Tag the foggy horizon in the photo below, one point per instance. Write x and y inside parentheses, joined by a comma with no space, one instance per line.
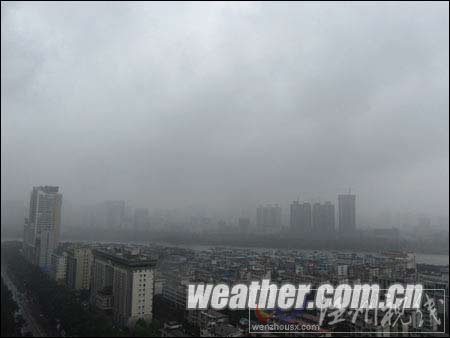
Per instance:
(225,106)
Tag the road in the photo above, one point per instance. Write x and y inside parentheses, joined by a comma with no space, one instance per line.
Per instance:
(31,323)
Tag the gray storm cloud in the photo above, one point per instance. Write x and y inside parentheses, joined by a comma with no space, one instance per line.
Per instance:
(227,105)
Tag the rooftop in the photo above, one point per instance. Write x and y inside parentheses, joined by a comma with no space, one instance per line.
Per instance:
(125,258)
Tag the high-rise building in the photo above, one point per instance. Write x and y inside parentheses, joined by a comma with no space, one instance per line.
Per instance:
(59,266)
(323,218)
(346,206)
(268,218)
(42,227)
(79,261)
(123,281)
(174,288)
(317,217)
(328,217)
(295,216)
(301,218)
(306,216)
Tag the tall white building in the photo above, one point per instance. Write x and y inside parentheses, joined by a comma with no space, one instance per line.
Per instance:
(42,227)
(123,282)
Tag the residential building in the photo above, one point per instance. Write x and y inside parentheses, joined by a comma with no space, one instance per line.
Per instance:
(125,279)
(42,227)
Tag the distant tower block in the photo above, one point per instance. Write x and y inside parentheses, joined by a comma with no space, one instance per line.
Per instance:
(347,210)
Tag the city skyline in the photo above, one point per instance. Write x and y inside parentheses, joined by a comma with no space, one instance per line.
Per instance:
(138,217)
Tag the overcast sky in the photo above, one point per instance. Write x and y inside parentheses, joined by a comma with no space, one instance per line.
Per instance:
(227,105)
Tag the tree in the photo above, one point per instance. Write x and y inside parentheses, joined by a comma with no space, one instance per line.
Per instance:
(10,326)
(144,329)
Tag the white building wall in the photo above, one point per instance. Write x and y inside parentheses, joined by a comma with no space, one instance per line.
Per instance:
(142,295)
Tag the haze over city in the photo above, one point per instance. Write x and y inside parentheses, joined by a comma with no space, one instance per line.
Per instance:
(224,169)
(225,106)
